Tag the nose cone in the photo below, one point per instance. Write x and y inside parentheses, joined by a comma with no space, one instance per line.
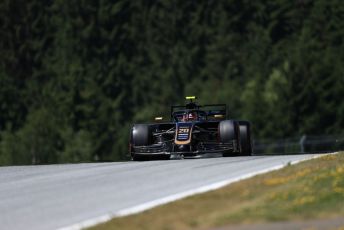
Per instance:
(183,133)
(183,148)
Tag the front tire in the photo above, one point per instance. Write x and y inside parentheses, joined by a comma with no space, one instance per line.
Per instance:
(136,157)
(229,132)
(140,136)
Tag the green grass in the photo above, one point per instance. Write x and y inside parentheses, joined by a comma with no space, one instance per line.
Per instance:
(310,190)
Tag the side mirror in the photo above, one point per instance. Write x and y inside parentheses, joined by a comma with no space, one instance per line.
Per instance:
(158,118)
(218,116)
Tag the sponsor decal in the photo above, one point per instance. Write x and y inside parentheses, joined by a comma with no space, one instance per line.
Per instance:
(183,135)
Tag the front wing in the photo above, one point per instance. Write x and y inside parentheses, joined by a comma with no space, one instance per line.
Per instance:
(200,148)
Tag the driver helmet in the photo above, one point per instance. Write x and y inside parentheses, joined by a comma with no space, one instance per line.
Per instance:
(191,116)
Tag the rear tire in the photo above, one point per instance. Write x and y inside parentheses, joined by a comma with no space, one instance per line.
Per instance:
(228,131)
(245,138)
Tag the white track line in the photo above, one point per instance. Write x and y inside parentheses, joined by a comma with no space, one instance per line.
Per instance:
(178,196)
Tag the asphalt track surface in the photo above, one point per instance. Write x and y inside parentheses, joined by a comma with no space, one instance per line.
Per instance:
(70,195)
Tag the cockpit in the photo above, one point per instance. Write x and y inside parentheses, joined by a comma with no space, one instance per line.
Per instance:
(190,115)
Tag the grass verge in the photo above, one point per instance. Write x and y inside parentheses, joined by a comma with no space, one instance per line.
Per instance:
(313,189)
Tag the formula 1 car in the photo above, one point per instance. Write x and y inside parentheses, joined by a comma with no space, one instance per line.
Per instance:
(193,130)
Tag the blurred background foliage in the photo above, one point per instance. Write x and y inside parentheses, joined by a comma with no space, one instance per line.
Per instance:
(75,75)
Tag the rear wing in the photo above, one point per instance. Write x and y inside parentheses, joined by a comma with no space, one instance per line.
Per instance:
(216,111)
(213,112)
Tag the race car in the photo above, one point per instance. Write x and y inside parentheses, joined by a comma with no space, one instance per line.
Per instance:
(193,130)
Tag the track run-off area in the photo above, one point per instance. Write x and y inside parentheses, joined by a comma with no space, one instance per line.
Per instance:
(73,196)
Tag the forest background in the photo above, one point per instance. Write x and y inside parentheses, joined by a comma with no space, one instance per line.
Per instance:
(75,75)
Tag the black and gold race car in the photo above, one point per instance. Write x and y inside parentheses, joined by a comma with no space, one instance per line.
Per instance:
(194,130)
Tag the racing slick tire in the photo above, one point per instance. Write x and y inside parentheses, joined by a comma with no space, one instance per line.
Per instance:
(136,157)
(245,138)
(228,132)
(140,136)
